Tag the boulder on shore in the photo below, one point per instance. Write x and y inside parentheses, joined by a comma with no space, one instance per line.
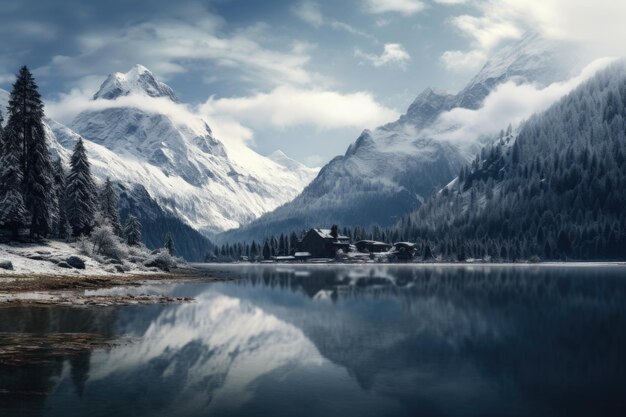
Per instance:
(159,264)
(75,262)
(8,265)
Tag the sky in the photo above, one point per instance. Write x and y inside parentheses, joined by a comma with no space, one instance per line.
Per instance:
(303,76)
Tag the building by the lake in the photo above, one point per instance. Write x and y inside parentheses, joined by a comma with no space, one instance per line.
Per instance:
(372,246)
(324,243)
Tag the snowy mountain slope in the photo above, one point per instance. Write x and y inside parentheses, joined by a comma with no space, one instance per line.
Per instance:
(4,102)
(552,189)
(134,199)
(174,158)
(391,170)
(154,142)
(533,59)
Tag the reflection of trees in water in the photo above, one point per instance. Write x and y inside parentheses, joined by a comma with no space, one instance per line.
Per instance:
(500,341)
(25,386)
(468,284)
(553,337)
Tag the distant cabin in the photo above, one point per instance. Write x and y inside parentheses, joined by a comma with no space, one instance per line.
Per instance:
(404,250)
(372,246)
(324,243)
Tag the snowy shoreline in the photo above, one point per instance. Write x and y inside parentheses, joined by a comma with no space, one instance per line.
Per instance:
(50,258)
(53,272)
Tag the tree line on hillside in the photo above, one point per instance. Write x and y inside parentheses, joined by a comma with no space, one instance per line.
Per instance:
(287,244)
(554,190)
(39,194)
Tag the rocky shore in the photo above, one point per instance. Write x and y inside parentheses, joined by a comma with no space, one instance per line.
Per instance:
(61,290)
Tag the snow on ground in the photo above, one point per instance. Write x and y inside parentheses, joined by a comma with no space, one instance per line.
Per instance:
(42,259)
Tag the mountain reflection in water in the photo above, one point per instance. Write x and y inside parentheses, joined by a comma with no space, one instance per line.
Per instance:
(346,341)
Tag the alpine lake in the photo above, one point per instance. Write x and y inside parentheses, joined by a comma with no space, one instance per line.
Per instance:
(337,340)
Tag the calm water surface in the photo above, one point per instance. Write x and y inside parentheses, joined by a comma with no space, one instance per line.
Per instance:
(343,341)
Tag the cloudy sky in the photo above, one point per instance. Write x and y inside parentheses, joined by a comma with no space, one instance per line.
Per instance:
(304,76)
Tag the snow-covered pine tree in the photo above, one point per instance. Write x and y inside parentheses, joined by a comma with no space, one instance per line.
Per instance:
(59,176)
(13,213)
(109,206)
(25,123)
(1,146)
(132,231)
(169,244)
(81,192)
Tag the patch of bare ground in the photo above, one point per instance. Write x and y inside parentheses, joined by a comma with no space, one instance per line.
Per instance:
(48,282)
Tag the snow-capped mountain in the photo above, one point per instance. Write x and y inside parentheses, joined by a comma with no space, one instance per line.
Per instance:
(388,172)
(138,134)
(139,80)
(134,199)
(167,161)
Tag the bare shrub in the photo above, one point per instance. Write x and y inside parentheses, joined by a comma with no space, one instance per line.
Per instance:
(105,242)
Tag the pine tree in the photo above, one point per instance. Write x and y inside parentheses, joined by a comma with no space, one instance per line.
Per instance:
(253,250)
(59,176)
(109,206)
(169,244)
(81,192)
(132,231)
(564,244)
(26,124)
(13,213)
(267,253)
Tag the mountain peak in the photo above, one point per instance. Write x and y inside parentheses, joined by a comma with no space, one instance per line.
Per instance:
(533,58)
(138,80)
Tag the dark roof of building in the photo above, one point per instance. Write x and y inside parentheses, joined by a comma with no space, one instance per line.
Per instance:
(405,244)
(372,242)
(326,234)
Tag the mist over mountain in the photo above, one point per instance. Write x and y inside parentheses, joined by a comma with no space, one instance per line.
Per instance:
(553,190)
(210,184)
(391,170)
(169,163)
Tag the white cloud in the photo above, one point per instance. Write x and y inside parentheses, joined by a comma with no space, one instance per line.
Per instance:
(309,11)
(508,103)
(405,7)
(66,106)
(451,2)
(31,29)
(288,106)
(459,61)
(597,25)
(393,54)
(235,120)
(487,31)
(169,46)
